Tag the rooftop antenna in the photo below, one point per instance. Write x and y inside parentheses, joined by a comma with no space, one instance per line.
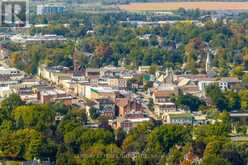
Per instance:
(75,62)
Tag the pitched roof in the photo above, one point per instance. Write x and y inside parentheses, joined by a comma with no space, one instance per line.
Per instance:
(181,115)
(122,102)
(164,93)
(230,79)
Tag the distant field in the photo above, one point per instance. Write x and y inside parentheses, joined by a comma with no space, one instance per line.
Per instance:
(210,6)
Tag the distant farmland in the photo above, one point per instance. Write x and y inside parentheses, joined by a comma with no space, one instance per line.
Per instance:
(169,6)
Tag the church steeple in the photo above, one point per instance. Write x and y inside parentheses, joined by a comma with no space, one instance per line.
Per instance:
(169,76)
(208,62)
(75,62)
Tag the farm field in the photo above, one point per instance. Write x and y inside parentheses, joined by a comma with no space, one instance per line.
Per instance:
(169,6)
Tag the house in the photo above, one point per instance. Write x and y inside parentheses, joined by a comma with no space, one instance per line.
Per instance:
(118,83)
(180,118)
(3,52)
(161,108)
(5,91)
(54,74)
(229,82)
(189,87)
(28,39)
(162,103)
(200,119)
(111,71)
(28,94)
(204,82)
(166,77)
(92,73)
(127,105)
(97,92)
(144,69)
(106,107)
(27,82)
(53,95)
(13,73)
(162,96)
(6,80)
(130,121)
(80,88)
(50,9)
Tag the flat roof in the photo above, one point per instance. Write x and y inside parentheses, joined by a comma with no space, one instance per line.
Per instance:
(238,114)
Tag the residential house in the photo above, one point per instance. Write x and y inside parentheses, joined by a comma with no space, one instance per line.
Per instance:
(127,105)
(106,107)
(53,95)
(130,121)
(162,103)
(92,73)
(229,83)
(110,71)
(144,69)
(178,118)
(189,87)
(118,83)
(93,93)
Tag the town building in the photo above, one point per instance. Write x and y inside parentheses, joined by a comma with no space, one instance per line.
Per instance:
(106,107)
(28,39)
(229,83)
(127,105)
(50,9)
(144,69)
(53,95)
(162,102)
(118,83)
(130,121)
(183,118)
(93,93)
(92,73)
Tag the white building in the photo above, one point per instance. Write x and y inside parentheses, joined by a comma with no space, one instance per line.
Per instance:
(9,71)
(50,9)
(37,38)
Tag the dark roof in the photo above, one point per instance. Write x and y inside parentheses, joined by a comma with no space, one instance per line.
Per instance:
(36,162)
(104,101)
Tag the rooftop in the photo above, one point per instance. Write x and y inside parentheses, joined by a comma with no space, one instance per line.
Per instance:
(181,115)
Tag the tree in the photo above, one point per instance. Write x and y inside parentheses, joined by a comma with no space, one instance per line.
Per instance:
(192,102)
(244,99)
(23,144)
(102,154)
(204,132)
(94,113)
(135,140)
(167,136)
(80,114)
(175,156)
(34,116)
(233,99)
(198,148)
(217,97)
(10,103)
(120,136)
(151,104)
(233,156)
(65,158)
(214,148)
(214,160)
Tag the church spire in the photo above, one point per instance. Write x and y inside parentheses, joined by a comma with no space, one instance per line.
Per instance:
(75,62)
(208,62)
